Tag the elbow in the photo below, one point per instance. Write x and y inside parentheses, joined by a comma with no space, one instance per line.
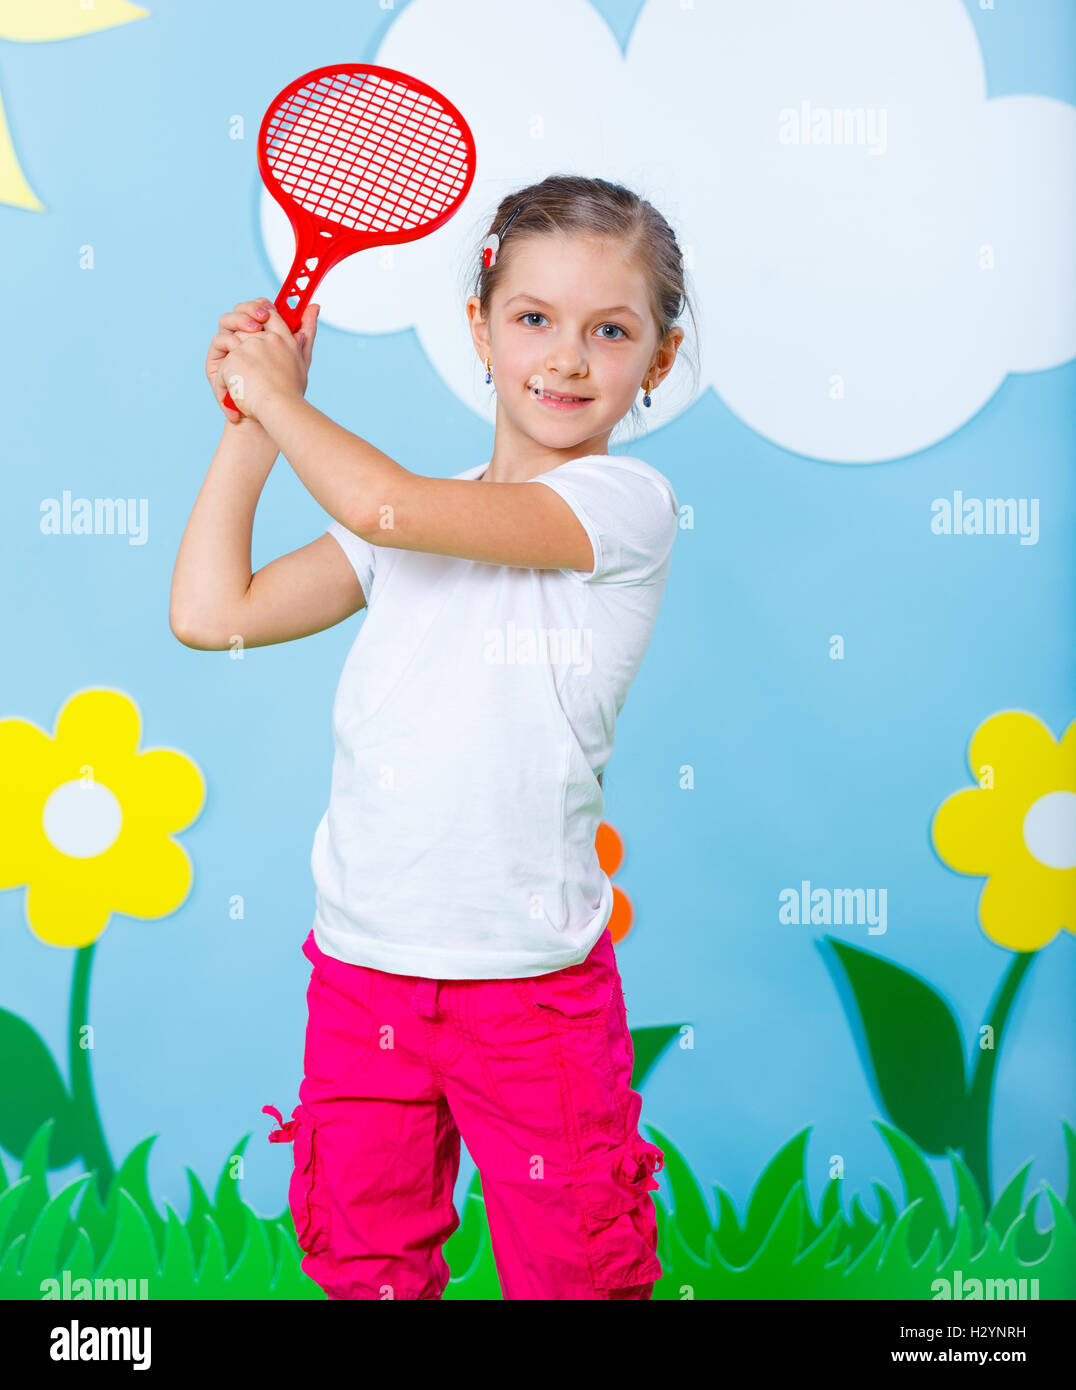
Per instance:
(188,633)
(369,521)
(376,511)
(362,527)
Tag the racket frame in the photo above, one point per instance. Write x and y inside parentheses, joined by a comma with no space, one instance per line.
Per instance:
(321,237)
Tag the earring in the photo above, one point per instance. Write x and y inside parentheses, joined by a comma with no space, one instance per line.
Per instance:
(489,377)
(646,389)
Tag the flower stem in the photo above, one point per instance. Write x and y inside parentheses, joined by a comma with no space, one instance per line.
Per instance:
(95,1153)
(980,1093)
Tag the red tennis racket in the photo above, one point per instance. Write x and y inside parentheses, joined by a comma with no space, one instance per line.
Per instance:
(359,156)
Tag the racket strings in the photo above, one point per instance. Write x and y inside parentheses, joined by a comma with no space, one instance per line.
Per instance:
(368,153)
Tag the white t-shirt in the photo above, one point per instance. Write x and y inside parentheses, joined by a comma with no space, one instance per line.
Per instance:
(474,712)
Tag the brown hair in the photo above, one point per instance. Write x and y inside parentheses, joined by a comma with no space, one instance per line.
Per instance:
(569,203)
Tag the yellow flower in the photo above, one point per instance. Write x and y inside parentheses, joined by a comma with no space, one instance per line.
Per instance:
(1018,827)
(85,818)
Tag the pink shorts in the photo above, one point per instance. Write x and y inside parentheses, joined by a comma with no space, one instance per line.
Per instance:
(534,1073)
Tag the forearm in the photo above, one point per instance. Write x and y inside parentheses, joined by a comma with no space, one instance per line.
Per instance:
(344,474)
(212,571)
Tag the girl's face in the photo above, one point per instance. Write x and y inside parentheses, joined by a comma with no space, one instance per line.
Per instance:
(571,318)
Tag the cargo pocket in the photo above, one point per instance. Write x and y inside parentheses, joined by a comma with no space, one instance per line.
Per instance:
(620,1228)
(307,1197)
(576,996)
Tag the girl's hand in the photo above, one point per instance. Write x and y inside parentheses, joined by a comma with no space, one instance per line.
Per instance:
(265,365)
(242,324)
(250,315)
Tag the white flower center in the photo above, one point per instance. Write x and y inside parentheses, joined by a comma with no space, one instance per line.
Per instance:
(1050,830)
(82,818)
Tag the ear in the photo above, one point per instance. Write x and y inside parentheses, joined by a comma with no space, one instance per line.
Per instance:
(479,327)
(665,356)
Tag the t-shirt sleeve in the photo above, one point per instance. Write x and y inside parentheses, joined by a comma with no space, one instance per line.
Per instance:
(631,517)
(359,552)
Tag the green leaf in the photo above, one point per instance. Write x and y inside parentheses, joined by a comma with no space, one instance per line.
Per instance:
(1070,1154)
(910,1043)
(132,1251)
(648,1044)
(692,1214)
(230,1212)
(1006,1210)
(770,1196)
(920,1191)
(968,1196)
(31,1092)
(40,1260)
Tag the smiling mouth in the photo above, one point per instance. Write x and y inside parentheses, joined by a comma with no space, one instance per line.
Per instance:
(539,394)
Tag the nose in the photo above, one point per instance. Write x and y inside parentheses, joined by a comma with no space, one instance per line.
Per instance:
(565,360)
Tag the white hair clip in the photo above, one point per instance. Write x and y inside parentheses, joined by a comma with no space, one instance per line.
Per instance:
(492,243)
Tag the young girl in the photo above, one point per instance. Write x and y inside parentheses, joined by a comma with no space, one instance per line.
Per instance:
(463,976)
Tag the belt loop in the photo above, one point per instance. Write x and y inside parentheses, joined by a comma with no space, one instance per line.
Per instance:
(424,999)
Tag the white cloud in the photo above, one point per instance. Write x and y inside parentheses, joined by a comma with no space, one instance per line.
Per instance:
(812,261)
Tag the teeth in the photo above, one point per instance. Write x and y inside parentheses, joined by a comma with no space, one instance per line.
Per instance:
(549,395)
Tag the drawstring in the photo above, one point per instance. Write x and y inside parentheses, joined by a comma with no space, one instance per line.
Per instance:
(286,1132)
(633,1167)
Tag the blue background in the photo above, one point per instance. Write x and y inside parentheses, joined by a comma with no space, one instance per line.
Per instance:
(804,767)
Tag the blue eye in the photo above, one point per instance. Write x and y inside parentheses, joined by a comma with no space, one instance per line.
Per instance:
(534,314)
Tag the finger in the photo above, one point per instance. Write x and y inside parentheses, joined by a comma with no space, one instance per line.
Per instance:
(220,385)
(226,342)
(234,386)
(250,316)
(310,328)
(221,344)
(220,390)
(250,309)
(275,324)
(260,306)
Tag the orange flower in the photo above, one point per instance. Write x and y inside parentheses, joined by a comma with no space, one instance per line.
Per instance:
(610,852)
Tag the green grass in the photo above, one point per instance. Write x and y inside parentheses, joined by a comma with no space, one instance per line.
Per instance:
(779,1250)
